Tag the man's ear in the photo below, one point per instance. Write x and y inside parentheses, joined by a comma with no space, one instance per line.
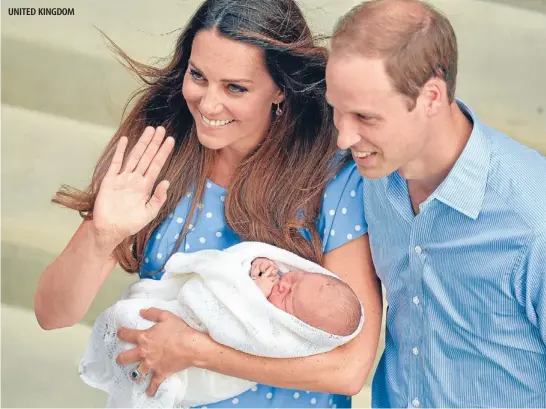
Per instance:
(434,94)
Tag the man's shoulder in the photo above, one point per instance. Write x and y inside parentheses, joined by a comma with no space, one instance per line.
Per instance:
(518,174)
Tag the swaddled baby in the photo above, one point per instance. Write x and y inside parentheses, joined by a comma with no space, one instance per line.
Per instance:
(320,300)
(307,311)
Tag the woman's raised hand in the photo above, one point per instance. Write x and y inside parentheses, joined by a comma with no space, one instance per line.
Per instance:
(125,203)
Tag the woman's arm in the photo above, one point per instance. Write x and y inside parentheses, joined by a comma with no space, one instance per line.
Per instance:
(343,370)
(124,205)
(68,286)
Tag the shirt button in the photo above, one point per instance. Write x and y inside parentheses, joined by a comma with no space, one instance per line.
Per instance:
(416,403)
(416,300)
(418,249)
(415,351)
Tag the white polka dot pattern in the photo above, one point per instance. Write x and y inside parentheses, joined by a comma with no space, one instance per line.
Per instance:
(341,212)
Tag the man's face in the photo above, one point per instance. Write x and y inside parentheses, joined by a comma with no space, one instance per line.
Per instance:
(373,119)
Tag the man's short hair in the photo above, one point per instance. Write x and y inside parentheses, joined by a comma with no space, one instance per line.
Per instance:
(415,40)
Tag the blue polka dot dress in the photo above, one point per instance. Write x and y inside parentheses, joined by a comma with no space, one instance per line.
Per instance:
(341,220)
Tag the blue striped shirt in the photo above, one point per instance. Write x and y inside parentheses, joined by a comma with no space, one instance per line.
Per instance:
(465,280)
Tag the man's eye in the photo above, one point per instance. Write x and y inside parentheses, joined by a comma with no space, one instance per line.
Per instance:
(364,117)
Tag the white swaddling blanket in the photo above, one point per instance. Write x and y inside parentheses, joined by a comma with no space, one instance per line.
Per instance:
(220,298)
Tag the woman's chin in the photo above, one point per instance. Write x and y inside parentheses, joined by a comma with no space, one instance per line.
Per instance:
(210,142)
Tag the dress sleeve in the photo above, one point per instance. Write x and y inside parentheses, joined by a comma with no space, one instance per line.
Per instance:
(342,214)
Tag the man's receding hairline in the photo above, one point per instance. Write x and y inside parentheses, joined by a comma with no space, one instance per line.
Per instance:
(385,13)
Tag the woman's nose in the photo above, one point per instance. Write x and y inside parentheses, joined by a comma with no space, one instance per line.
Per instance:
(211,103)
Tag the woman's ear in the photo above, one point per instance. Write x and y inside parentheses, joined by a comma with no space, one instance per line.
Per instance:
(279,97)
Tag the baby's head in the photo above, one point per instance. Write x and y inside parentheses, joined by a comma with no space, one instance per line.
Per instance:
(319,300)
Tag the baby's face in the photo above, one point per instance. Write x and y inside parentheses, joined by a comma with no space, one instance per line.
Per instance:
(292,289)
(320,301)
(282,293)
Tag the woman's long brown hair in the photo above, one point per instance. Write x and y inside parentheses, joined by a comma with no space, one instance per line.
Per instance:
(277,188)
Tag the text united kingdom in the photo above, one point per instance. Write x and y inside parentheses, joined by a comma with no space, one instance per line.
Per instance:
(41,11)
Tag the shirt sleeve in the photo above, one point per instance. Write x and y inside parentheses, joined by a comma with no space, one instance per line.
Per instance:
(342,213)
(534,273)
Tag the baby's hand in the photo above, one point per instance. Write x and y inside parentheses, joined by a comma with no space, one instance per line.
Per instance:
(265,274)
(262,266)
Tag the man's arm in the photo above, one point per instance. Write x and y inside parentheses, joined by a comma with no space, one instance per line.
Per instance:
(533,270)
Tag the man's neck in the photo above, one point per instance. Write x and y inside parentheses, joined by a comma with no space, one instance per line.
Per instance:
(438,158)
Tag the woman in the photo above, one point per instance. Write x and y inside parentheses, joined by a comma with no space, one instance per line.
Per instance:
(252,157)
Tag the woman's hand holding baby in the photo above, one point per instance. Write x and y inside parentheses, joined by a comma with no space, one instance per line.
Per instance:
(168,347)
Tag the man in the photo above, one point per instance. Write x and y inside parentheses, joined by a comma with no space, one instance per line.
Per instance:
(456,215)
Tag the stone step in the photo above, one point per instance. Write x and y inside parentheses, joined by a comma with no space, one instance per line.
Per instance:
(61,64)
(40,368)
(40,152)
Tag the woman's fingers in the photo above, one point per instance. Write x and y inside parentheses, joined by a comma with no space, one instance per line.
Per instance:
(129,334)
(154,384)
(130,356)
(158,161)
(151,151)
(158,198)
(117,159)
(139,373)
(139,149)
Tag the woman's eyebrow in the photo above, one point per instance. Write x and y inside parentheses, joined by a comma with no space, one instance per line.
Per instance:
(238,80)
(226,79)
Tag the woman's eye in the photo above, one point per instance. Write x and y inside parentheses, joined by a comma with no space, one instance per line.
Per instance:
(196,75)
(237,89)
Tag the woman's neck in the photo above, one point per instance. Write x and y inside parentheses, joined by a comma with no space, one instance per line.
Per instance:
(224,167)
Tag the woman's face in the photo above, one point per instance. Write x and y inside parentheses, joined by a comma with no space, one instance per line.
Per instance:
(229,92)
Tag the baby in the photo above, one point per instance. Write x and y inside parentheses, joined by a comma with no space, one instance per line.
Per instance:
(232,311)
(322,301)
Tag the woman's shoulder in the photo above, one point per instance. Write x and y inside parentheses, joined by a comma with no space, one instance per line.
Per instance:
(342,214)
(346,177)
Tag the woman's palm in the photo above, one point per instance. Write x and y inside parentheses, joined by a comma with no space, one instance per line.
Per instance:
(125,203)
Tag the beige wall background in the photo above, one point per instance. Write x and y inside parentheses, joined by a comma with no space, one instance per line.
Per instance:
(62,97)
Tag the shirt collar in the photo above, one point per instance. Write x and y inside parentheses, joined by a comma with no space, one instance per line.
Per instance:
(464,187)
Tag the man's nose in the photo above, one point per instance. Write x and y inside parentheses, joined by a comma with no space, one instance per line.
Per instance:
(347,130)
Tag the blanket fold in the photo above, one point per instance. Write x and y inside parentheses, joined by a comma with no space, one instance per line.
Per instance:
(211,290)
